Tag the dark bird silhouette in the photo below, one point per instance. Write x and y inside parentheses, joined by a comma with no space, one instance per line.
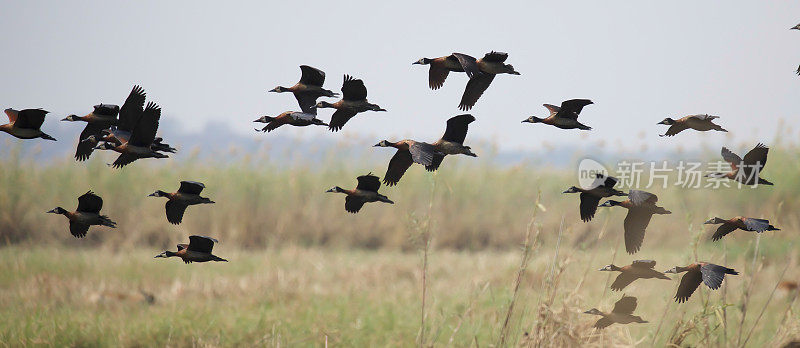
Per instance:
(602,187)
(697,122)
(481,72)
(292,118)
(621,314)
(365,192)
(565,116)
(354,100)
(188,194)
(198,250)
(308,89)
(101,118)
(440,68)
(739,222)
(408,153)
(795,27)
(87,214)
(701,272)
(452,142)
(639,269)
(140,143)
(748,170)
(641,206)
(25,124)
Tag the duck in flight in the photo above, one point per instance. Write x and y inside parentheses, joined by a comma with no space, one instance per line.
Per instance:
(408,153)
(25,124)
(481,72)
(292,118)
(308,89)
(439,69)
(565,116)
(621,314)
(87,214)
(198,250)
(701,272)
(639,269)
(365,192)
(700,123)
(452,142)
(746,171)
(641,206)
(741,223)
(354,101)
(602,187)
(177,202)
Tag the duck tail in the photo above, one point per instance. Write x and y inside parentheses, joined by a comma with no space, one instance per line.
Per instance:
(219,259)
(47,137)
(386,199)
(105,221)
(584,127)
(718,128)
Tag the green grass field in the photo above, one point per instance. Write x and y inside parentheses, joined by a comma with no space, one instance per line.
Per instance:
(304,272)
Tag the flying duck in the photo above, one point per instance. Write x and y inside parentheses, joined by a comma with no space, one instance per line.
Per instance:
(452,142)
(141,139)
(745,171)
(354,100)
(439,69)
(408,152)
(602,187)
(739,222)
(292,118)
(308,89)
(565,116)
(639,269)
(641,206)
(621,314)
(701,272)
(697,122)
(25,124)
(101,118)
(198,250)
(87,214)
(365,192)
(188,194)
(481,72)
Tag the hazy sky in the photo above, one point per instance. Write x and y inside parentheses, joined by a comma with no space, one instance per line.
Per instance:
(639,61)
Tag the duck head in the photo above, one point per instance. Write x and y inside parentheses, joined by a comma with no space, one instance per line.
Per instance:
(532,119)
(675,270)
(279,89)
(714,221)
(572,189)
(158,193)
(165,254)
(58,210)
(383,143)
(423,61)
(71,118)
(594,311)
(610,267)
(104,146)
(667,121)
(609,203)
(323,104)
(336,189)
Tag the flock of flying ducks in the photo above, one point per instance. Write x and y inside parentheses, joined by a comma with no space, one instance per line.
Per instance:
(131,130)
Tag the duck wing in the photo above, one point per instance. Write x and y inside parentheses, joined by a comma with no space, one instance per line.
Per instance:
(124,159)
(202,244)
(339,118)
(175,211)
(468,63)
(435,163)
(86,148)
(756,159)
(638,197)
(422,153)
(603,323)
(397,167)
(457,127)
(30,118)
(353,89)
(644,263)
(368,182)
(723,230)
(90,203)
(132,109)
(635,224)
(588,205)
(145,131)
(495,57)
(625,305)
(731,158)
(477,84)
(311,76)
(78,229)
(676,128)
(191,187)
(353,204)
(623,280)
(756,225)
(689,283)
(713,275)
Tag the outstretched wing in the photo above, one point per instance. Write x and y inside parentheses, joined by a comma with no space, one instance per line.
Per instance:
(90,203)
(397,167)
(623,280)
(85,148)
(588,205)
(353,204)
(756,225)
(132,109)
(676,128)
(497,57)
(311,76)
(468,63)
(723,230)
(175,211)
(625,305)
(644,263)
(689,283)
(145,131)
(635,224)
(30,118)
(191,187)
(201,243)
(731,158)
(368,182)
(756,158)
(638,197)
(574,106)
(457,128)
(477,84)
(713,275)
(353,89)
(422,153)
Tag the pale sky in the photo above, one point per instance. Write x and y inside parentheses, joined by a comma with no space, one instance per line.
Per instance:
(639,61)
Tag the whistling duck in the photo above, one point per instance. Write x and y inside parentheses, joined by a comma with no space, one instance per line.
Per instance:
(745,171)
(641,206)
(308,89)
(440,68)
(565,116)
(365,192)
(25,124)
(408,152)
(292,118)
(639,269)
(452,142)
(481,72)
(103,117)
(188,194)
(602,187)
(354,100)
(87,214)
(141,139)
(696,273)
(697,122)
(198,250)
(739,222)
(621,314)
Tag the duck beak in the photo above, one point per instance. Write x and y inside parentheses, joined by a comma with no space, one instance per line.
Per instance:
(527,120)
(331,190)
(52,211)
(515,73)
(160,255)
(65,119)
(273,90)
